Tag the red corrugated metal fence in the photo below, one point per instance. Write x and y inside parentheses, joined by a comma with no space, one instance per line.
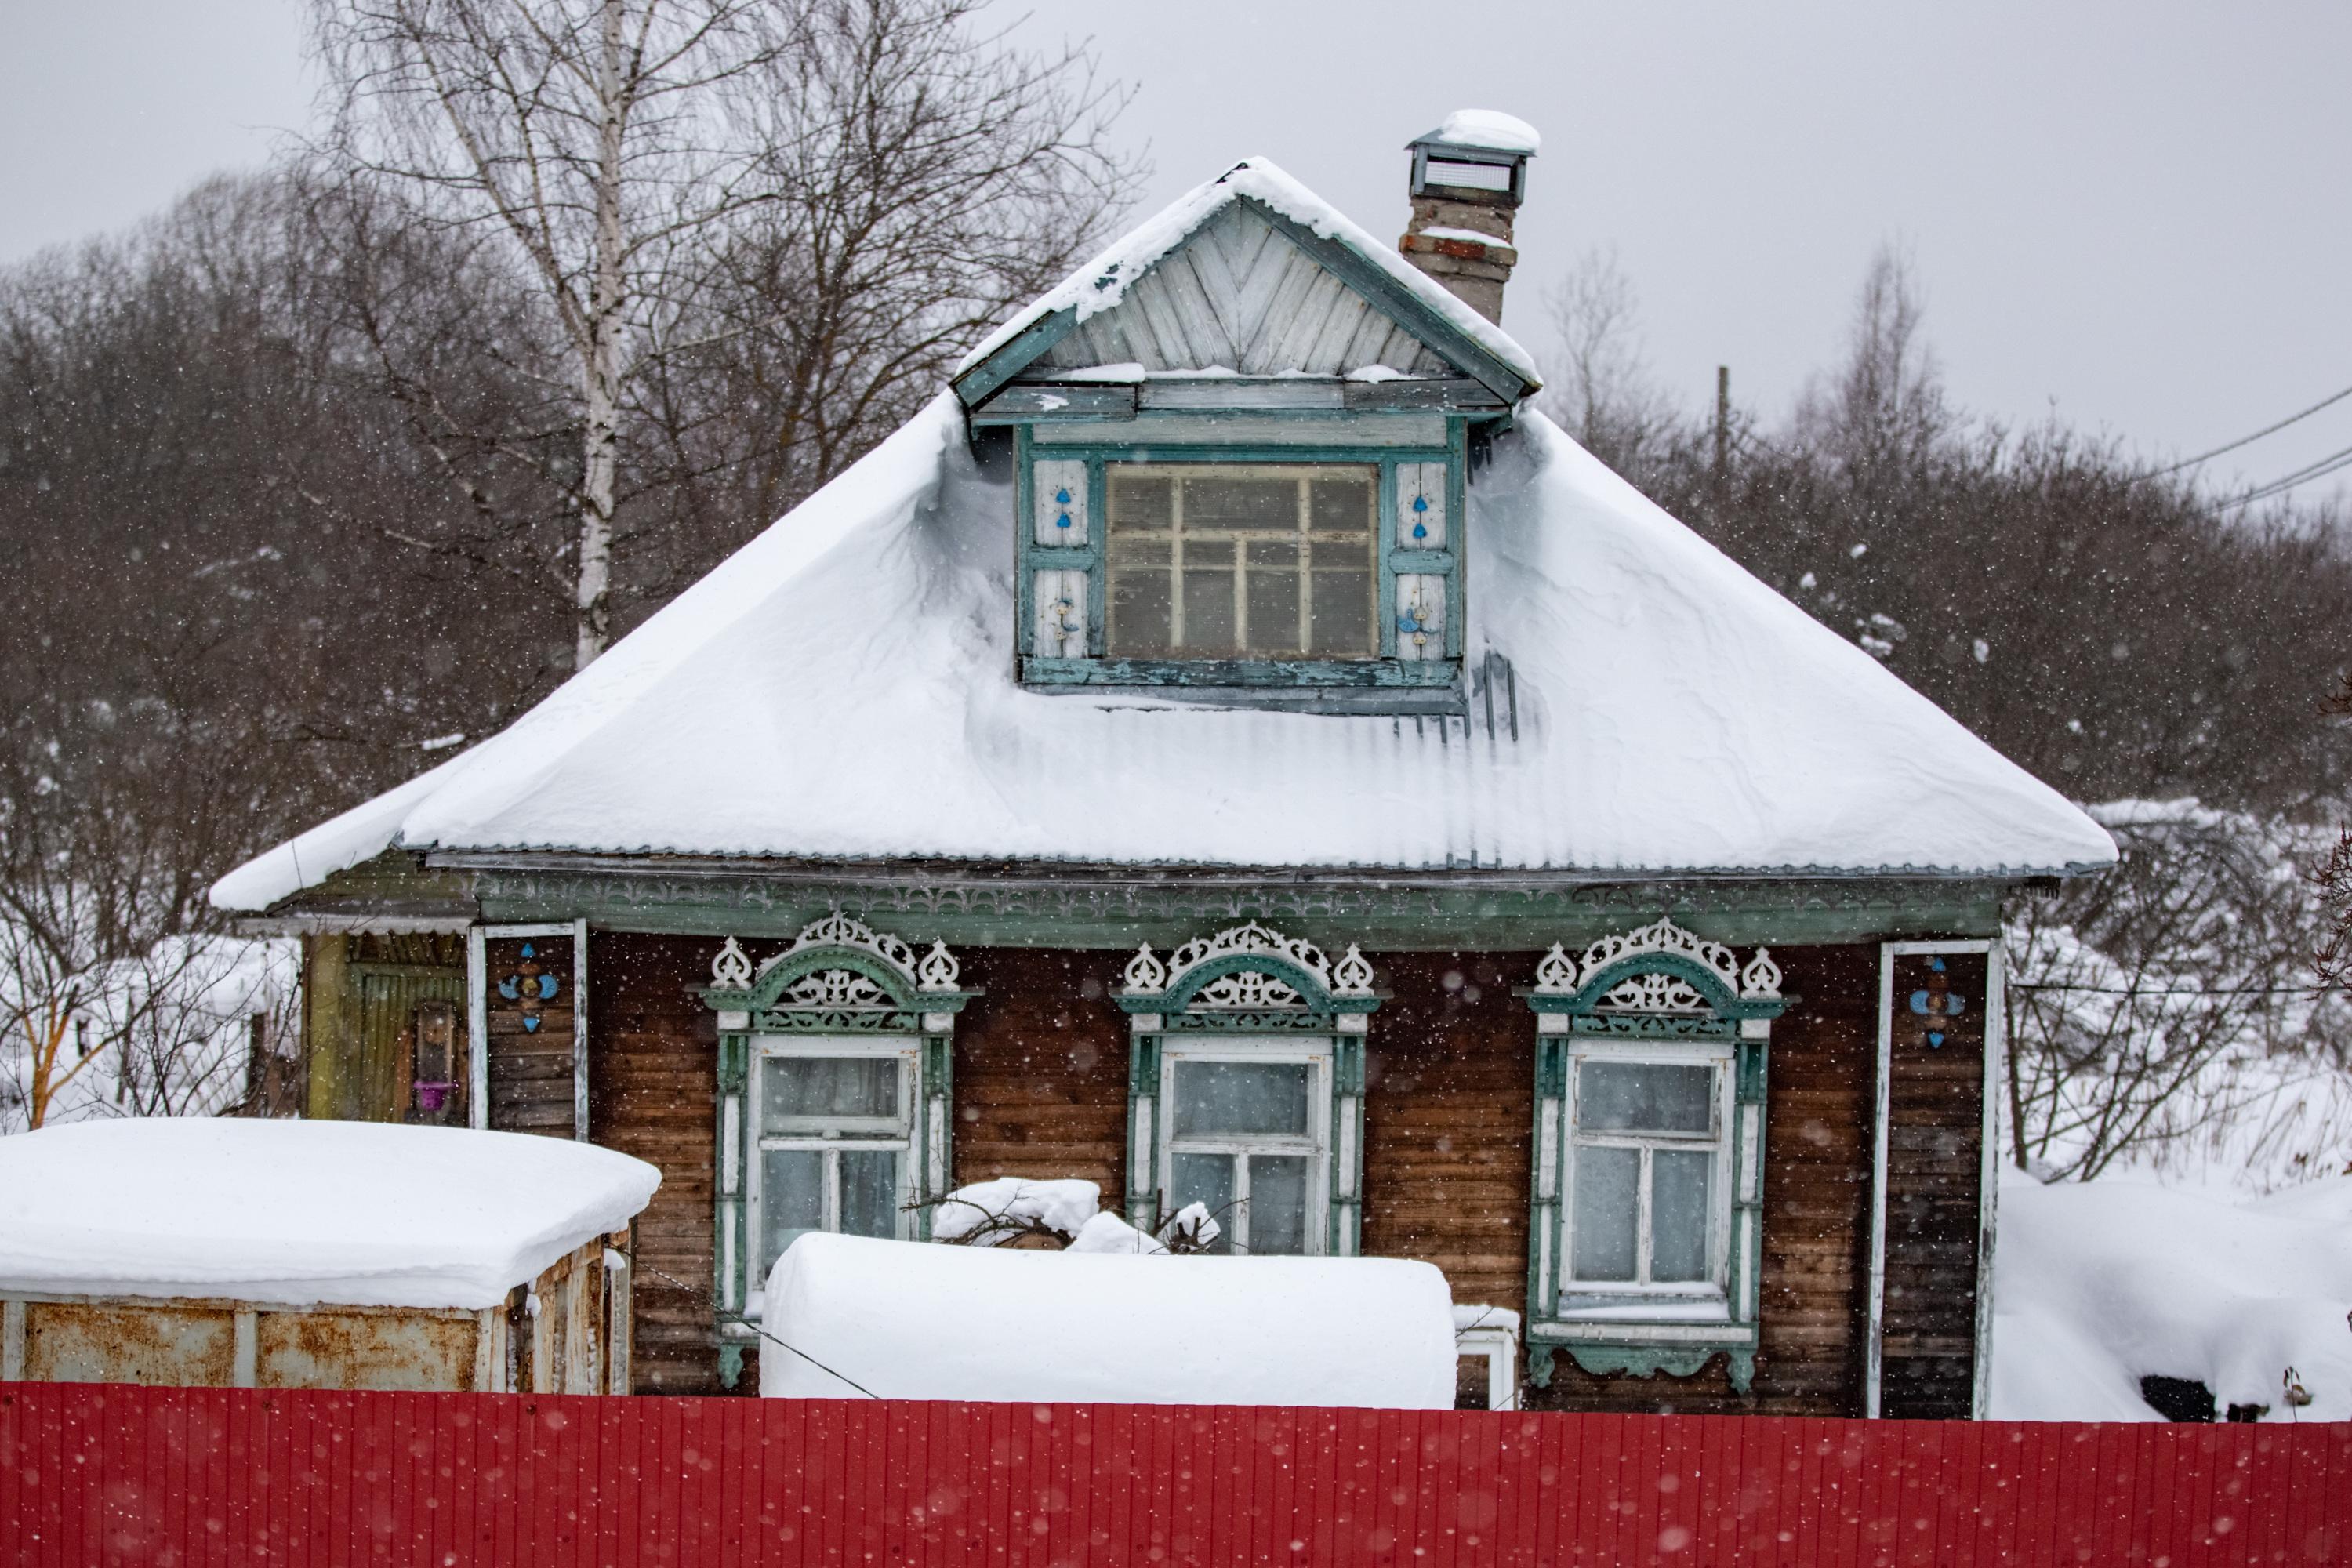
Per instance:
(91,1475)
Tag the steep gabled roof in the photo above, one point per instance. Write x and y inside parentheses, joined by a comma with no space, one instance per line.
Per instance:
(1194,286)
(844,687)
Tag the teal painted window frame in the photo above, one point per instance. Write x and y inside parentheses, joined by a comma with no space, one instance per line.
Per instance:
(1176,1013)
(1583,1020)
(917,1020)
(1099,669)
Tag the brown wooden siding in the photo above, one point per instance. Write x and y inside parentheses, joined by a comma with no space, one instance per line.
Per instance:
(1449,1109)
(1817,1137)
(1934,1182)
(653,1074)
(531,1069)
(1041,1068)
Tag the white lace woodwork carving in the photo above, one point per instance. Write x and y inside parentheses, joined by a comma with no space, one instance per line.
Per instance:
(936,973)
(1421,506)
(1059,629)
(1146,975)
(1420,615)
(1556,972)
(1058,487)
(1149,975)
(834,988)
(939,970)
(1656,991)
(1248,988)
(732,969)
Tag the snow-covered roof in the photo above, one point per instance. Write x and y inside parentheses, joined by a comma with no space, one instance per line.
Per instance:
(361,1214)
(1487,128)
(905,1319)
(843,687)
(1103,281)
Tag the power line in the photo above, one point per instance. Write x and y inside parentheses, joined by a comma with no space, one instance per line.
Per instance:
(2285,482)
(2248,440)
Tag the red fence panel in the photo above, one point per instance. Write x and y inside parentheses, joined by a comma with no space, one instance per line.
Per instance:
(94,1475)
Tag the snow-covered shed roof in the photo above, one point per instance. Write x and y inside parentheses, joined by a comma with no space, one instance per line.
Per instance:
(844,687)
(905,1319)
(353,1213)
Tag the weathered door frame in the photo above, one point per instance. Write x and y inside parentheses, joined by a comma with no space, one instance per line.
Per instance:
(1987,1191)
(478,1016)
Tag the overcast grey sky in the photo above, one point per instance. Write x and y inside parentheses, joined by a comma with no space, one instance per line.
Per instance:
(2138,213)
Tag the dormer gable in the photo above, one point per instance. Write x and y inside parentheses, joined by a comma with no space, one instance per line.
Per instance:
(1241,445)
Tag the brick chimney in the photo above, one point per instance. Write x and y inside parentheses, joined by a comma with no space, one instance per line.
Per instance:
(1469,176)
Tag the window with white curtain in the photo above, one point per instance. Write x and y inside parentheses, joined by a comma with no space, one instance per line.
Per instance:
(1648,1201)
(835,1141)
(1246,1131)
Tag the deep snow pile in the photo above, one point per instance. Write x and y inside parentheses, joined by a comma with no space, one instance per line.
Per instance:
(909,1320)
(358,1212)
(2101,1284)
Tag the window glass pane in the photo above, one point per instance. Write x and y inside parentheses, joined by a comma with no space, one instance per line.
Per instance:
(1343,611)
(821,1087)
(1139,501)
(1644,1097)
(1607,1213)
(1678,1213)
(869,1192)
(1140,593)
(1223,501)
(1205,1179)
(1277,1204)
(792,1201)
(1209,611)
(1215,1097)
(1342,506)
(1272,602)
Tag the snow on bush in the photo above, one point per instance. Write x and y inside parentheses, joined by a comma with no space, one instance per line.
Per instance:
(2100,1284)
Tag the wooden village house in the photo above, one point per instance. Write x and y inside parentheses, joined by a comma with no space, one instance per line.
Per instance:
(1233,748)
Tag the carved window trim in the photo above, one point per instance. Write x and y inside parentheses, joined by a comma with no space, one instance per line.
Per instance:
(1251,992)
(1656,992)
(838,980)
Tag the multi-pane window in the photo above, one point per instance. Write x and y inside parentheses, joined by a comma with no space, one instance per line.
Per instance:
(1217,560)
(835,1141)
(1648,1173)
(1246,1134)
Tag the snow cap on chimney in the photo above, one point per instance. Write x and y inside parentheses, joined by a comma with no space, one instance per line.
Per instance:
(1469,176)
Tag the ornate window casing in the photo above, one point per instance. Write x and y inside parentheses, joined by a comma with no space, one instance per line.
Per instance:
(1116,545)
(1651,1061)
(835,1059)
(1246,1068)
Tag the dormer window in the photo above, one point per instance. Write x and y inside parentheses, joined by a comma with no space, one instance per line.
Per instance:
(1305,576)
(1235,561)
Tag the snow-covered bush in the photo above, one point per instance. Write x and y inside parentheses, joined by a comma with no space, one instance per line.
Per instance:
(1067,1215)
(2168,1013)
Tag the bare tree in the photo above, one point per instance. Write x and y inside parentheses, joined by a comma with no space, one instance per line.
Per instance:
(1602,395)
(625,157)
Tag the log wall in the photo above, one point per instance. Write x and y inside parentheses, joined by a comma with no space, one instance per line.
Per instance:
(1041,1068)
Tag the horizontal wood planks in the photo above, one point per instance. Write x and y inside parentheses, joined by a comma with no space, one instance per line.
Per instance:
(1934,1185)
(652,1092)
(1817,1157)
(1041,1059)
(213,1478)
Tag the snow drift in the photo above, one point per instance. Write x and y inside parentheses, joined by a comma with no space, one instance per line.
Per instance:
(2100,1284)
(913,1320)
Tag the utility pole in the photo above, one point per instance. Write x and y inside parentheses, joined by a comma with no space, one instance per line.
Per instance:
(1722,427)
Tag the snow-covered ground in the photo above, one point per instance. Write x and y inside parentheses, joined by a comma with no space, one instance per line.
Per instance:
(2102,1283)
